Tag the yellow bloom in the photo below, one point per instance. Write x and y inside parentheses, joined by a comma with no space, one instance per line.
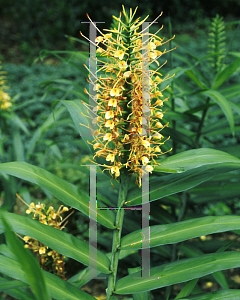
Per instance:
(26,239)
(145,143)
(149,168)
(159,125)
(109,114)
(119,54)
(99,39)
(152,46)
(122,65)
(99,50)
(115,92)
(127,74)
(107,137)
(145,160)
(112,102)
(115,170)
(110,124)
(157,136)
(110,157)
(42,250)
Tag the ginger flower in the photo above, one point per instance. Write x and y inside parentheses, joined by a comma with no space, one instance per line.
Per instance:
(128,98)
(5,99)
(50,260)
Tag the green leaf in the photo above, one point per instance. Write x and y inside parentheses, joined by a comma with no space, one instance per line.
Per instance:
(195,79)
(188,288)
(143,295)
(181,231)
(78,113)
(10,284)
(17,293)
(41,129)
(60,188)
(57,288)
(179,271)
(223,75)
(218,295)
(224,104)
(76,109)
(27,261)
(194,166)
(195,158)
(57,240)
(191,251)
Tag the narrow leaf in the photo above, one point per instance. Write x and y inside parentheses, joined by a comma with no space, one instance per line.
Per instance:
(28,263)
(223,75)
(217,295)
(224,104)
(57,240)
(58,289)
(188,288)
(60,188)
(179,271)
(181,231)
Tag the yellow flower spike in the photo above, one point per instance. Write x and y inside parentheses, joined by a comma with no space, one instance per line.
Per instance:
(50,218)
(128,119)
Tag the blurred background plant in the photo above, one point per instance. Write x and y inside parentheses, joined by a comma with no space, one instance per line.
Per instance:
(203,107)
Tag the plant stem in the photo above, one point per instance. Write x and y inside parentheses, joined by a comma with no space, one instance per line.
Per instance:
(199,131)
(124,180)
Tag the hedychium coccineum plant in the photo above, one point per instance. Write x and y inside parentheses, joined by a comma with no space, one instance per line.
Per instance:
(126,118)
(127,121)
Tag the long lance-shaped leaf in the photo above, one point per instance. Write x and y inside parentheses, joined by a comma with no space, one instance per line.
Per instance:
(181,231)
(192,159)
(224,104)
(195,169)
(179,271)
(18,292)
(6,284)
(222,76)
(217,295)
(57,240)
(60,188)
(57,288)
(78,113)
(27,261)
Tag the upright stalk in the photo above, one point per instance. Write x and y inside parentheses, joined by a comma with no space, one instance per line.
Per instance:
(199,131)
(122,196)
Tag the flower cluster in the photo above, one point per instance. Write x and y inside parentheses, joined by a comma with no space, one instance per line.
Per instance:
(128,110)
(45,255)
(5,100)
